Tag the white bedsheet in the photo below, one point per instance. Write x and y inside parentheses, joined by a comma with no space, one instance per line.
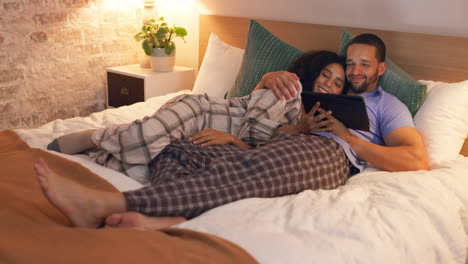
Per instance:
(377,217)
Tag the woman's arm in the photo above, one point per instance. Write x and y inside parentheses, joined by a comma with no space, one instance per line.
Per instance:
(309,122)
(209,137)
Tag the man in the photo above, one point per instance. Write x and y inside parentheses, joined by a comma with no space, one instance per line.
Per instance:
(393,144)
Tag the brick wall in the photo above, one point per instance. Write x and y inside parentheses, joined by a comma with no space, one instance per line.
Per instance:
(53,55)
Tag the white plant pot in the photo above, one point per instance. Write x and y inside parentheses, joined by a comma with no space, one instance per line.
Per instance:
(161,62)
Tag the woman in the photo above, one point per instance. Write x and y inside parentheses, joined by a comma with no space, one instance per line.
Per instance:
(188,179)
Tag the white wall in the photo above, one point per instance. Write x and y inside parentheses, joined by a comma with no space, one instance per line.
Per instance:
(440,17)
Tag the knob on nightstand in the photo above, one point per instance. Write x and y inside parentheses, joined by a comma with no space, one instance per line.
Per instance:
(124,90)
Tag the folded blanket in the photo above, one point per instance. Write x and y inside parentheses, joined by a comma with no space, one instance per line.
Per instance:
(34,231)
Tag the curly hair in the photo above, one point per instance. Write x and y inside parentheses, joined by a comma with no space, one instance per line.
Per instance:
(309,65)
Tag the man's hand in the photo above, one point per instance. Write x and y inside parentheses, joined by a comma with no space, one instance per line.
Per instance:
(282,83)
(210,137)
(335,126)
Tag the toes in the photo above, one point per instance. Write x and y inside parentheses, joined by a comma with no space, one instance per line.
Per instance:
(113,220)
(41,166)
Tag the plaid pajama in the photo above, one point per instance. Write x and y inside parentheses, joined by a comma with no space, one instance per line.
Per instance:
(130,147)
(188,179)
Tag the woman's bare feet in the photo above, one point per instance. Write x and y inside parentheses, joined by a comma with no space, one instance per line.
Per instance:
(141,222)
(85,207)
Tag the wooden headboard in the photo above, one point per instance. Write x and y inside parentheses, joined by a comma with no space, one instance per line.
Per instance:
(423,56)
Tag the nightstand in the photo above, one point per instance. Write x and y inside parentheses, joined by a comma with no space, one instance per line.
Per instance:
(131,84)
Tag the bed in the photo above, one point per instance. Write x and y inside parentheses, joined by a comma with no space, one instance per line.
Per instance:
(376,217)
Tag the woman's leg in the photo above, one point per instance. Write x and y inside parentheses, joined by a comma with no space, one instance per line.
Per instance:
(130,147)
(73,143)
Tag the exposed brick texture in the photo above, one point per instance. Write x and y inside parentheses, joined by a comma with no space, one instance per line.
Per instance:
(74,3)
(38,3)
(11,75)
(11,5)
(54,55)
(50,18)
(38,37)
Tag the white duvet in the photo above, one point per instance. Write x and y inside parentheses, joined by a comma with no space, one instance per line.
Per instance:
(377,217)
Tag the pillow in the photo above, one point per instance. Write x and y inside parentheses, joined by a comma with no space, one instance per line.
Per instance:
(443,120)
(264,53)
(394,81)
(219,68)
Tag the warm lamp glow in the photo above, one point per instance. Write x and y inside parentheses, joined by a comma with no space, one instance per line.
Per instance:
(120,5)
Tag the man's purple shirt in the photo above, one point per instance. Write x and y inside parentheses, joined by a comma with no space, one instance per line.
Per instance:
(386,113)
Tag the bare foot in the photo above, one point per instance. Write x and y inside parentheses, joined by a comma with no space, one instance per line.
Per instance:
(141,222)
(85,207)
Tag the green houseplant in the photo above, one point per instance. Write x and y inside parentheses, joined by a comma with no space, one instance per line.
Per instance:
(157,41)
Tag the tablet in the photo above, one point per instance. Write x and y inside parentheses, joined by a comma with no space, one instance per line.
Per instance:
(350,110)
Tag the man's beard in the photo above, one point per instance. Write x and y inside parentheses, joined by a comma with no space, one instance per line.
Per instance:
(359,89)
(364,87)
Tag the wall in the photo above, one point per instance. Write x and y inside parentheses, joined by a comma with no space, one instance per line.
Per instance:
(53,55)
(423,16)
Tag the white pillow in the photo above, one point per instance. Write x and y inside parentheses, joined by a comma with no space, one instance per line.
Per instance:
(443,120)
(219,68)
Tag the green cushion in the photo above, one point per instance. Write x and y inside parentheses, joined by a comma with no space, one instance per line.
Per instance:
(395,81)
(264,53)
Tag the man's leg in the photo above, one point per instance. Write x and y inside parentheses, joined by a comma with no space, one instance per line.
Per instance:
(85,207)
(141,222)
(90,208)
(189,179)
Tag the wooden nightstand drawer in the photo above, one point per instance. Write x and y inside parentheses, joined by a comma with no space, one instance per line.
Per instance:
(129,84)
(124,90)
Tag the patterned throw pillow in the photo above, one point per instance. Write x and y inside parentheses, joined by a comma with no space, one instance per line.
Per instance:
(264,53)
(394,81)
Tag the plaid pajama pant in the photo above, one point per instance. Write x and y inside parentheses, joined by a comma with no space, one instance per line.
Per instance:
(188,179)
(130,147)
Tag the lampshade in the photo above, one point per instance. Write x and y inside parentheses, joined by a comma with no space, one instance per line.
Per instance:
(148,3)
(148,10)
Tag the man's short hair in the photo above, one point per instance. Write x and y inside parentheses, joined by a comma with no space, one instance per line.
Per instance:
(372,40)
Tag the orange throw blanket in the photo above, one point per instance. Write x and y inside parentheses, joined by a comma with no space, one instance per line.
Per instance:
(33,231)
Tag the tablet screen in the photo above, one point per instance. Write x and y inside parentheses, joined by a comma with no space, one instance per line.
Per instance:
(350,110)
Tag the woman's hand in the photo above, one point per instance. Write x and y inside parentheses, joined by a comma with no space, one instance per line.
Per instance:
(315,123)
(310,122)
(210,137)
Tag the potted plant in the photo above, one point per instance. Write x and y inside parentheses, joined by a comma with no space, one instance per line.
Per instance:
(158,42)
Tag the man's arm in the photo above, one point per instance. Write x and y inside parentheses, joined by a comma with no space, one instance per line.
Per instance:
(404,150)
(282,83)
